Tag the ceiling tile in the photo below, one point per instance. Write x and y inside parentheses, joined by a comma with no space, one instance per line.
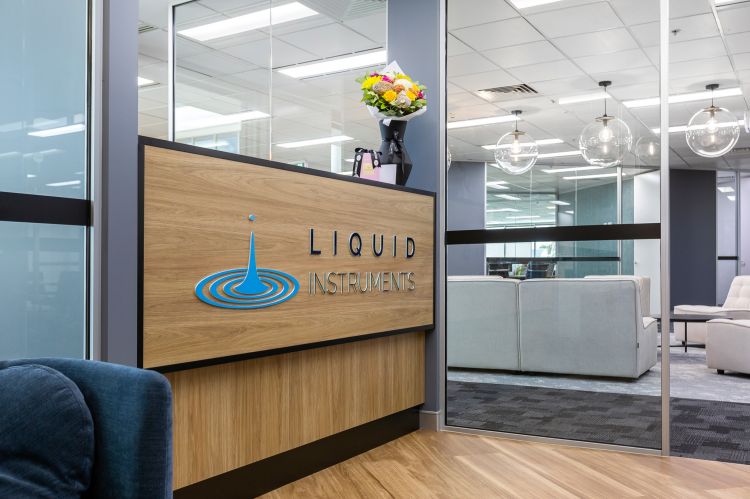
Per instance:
(546,71)
(480,12)
(742,61)
(687,69)
(602,42)
(459,65)
(373,27)
(629,76)
(735,19)
(636,11)
(498,34)
(457,47)
(576,20)
(214,63)
(481,81)
(614,62)
(328,41)
(523,55)
(691,28)
(739,42)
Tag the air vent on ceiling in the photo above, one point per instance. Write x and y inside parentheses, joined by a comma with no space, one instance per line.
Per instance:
(508,92)
(145,28)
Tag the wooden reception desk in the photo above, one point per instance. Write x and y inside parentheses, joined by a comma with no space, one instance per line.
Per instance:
(286,306)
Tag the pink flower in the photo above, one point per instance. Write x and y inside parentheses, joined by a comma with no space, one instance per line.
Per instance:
(420,95)
(375,74)
(385,78)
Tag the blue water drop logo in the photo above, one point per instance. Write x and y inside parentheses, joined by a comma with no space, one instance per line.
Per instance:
(248,287)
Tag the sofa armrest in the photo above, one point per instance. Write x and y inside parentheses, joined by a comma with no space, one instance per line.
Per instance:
(647,321)
(700,310)
(737,313)
(132,412)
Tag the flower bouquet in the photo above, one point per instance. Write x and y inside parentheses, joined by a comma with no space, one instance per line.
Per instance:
(390,94)
(393,98)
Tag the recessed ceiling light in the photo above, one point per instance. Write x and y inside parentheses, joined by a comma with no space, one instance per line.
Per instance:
(30,175)
(482,121)
(559,154)
(61,130)
(598,175)
(551,207)
(574,99)
(725,189)
(67,183)
(194,118)
(683,128)
(525,4)
(248,22)
(542,142)
(508,197)
(336,65)
(675,99)
(142,82)
(572,169)
(560,203)
(732,198)
(569,212)
(501,210)
(315,142)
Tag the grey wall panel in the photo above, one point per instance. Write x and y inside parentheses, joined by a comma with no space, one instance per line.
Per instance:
(119,266)
(465,196)
(693,237)
(416,39)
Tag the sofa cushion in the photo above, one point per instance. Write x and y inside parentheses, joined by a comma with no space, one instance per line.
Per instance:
(46,435)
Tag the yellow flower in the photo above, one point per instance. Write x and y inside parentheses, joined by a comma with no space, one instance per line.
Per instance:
(390,96)
(370,81)
(402,76)
(410,95)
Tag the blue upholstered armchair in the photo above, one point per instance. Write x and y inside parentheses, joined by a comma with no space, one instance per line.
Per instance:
(51,447)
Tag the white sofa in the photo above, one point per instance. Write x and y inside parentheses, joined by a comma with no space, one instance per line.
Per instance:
(566,326)
(644,284)
(482,320)
(736,306)
(728,345)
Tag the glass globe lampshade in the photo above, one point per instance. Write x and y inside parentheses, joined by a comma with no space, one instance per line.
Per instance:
(712,132)
(605,141)
(516,152)
(648,150)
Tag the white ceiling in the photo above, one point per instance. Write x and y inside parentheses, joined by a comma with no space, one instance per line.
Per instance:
(559,49)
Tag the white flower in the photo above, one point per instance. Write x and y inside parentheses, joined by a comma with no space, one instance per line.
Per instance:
(402,100)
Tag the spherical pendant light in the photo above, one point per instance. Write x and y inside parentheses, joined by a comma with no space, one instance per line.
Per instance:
(605,141)
(647,150)
(713,131)
(516,151)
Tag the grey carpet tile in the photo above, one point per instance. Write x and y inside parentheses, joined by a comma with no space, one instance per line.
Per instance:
(700,428)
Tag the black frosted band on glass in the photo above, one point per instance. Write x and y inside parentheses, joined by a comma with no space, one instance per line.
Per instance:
(32,208)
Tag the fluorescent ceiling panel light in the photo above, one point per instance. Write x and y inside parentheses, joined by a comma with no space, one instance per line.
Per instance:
(675,99)
(30,175)
(725,189)
(501,210)
(569,212)
(499,184)
(67,183)
(482,121)
(551,207)
(598,175)
(575,99)
(732,198)
(315,142)
(560,203)
(572,169)
(683,128)
(499,187)
(142,82)
(61,130)
(525,4)
(559,154)
(336,65)
(508,197)
(542,142)
(248,22)
(194,118)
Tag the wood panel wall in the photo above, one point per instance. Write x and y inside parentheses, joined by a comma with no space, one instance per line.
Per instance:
(195,223)
(230,415)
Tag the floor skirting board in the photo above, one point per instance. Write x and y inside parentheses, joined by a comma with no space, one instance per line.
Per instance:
(263,476)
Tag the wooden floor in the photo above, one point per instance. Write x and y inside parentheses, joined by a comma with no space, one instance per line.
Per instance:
(429,464)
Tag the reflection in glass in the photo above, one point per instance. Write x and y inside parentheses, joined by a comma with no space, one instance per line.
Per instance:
(42,299)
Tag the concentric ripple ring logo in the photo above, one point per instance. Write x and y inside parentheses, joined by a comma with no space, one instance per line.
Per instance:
(247,288)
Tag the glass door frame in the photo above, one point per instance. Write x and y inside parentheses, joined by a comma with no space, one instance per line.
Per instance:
(619,231)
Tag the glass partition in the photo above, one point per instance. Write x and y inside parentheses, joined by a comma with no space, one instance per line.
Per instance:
(276,79)
(553,211)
